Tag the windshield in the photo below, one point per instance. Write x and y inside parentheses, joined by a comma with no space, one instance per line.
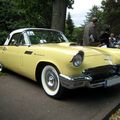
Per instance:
(45,36)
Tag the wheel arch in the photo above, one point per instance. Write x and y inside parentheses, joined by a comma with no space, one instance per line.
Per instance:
(40,67)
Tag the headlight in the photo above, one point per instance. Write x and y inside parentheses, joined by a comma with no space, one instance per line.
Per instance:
(78,59)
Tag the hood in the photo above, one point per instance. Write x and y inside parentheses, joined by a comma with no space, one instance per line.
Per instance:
(71,48)
(88,50)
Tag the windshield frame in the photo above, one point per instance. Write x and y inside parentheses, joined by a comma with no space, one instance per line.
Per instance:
(46,31)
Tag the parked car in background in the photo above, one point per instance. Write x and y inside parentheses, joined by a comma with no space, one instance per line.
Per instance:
(46,56)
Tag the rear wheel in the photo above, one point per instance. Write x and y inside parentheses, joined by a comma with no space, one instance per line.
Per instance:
(1,67)
(50,82)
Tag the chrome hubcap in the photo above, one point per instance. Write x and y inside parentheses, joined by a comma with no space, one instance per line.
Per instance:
(51,80)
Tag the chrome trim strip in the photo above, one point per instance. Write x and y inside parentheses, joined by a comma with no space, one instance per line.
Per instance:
(66,77)
(82,77)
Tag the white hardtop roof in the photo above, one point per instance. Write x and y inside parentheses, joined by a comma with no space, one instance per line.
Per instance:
(24,29)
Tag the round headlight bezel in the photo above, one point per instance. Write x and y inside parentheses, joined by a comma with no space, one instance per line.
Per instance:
(78,59)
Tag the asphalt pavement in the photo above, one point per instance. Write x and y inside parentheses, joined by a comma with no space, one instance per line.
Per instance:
(24,99)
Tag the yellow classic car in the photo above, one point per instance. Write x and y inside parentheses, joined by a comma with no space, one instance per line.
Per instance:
(46,56)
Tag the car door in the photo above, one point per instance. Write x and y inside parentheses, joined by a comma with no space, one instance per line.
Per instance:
(11,56)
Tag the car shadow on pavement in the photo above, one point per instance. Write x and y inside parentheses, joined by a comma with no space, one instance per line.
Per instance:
(20,92)
(80,94)
(93,94)
(25,79)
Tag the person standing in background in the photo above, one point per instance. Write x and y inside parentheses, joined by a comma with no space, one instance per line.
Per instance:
(112,40)
(104,38)
(90,33)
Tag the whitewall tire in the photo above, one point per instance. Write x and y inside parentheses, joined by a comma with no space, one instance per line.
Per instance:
(50,82)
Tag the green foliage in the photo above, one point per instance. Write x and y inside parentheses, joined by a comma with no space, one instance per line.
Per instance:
(69,26)
(3,36)
(108,15)
(36,14)
(96,12)
(8,16)
(78,35)
(16,14)
(69,3)
(111,12)
(1,73)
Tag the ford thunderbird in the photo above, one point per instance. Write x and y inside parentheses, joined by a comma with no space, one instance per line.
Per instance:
(46,56)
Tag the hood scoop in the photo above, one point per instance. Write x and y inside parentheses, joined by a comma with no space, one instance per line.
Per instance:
(74,44)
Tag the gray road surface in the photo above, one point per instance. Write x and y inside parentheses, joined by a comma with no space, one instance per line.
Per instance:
(23,99)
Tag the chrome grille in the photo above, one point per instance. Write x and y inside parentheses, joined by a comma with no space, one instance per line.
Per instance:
(98,74)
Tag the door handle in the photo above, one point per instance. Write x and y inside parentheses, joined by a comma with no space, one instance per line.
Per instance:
(4,48)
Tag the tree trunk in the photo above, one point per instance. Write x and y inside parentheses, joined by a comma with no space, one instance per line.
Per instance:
(59,15)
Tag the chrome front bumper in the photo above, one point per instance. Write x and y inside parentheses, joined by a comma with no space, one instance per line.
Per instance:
(77,82)
(87,80)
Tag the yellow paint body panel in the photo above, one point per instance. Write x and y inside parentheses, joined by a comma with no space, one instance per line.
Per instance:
(60,55)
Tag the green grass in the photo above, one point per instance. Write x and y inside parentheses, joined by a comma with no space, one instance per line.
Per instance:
(1,74)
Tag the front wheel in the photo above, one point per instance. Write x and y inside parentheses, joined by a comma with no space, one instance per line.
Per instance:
(50,82)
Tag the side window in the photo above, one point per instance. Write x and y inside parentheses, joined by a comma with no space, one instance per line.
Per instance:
(21,40)
(17,39)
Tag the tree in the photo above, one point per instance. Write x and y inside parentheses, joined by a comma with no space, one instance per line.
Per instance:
(16,14)
(69,26)
(38,13)
(111,12)
(96,12)
(59,13)
(10,18)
